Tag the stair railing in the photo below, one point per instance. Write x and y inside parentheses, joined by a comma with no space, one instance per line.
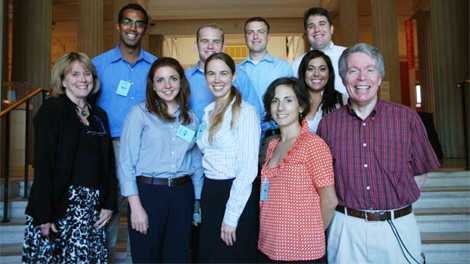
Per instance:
(6,113)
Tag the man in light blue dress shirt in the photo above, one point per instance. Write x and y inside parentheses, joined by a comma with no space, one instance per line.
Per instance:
(210,40)
(263,69)
(123,77)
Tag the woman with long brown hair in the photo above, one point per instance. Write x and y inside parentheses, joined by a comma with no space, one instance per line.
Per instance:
(158,160)
(229,138)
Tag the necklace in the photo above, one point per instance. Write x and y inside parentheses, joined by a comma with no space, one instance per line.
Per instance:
(82,110)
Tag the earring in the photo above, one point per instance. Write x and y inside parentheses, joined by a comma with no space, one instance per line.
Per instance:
(301,115)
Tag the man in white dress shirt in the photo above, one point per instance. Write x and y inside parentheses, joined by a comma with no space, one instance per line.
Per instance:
(318,24)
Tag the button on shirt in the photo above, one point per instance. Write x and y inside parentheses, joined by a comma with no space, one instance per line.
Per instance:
(201,96)
(334,52)
(263,73)
(150,148)
(233,154)
(112,68)
(376,159)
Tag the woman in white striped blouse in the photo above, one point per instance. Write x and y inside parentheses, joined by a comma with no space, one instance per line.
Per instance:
(229,138)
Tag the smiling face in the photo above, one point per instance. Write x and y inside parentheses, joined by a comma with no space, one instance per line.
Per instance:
(78,82)
(319,32)
(131,28)
(167,84)
(256,36)
(317,74)
(362,79)
(210,42)
(219,78)
(285,109)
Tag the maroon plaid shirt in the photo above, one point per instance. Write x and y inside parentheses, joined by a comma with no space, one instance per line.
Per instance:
(376,159)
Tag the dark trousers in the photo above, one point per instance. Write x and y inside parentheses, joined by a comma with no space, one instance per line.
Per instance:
(215,195)
(262,258)
(169,211)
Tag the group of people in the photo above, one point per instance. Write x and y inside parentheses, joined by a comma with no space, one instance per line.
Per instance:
(268,161)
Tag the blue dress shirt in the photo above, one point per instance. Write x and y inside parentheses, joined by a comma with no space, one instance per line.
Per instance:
(263,73)
(201,96)
(151,148)
(112,68)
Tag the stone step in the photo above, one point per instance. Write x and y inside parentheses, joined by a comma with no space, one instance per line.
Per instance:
(443,179)
(15,190)
(443,199)
(443,223)
(446,253)
(16,208)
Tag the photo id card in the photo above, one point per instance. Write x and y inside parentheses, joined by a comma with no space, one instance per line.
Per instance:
(123,88)
(185,133)
(200,131)
(264,190)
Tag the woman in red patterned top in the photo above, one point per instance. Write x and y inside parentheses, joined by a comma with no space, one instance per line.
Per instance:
(297,195)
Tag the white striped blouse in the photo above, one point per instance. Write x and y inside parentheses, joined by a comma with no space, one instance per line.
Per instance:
(233,154)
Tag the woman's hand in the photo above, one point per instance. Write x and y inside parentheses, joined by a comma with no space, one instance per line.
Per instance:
(228,234)
(139,218)
(105,216)
(48,226)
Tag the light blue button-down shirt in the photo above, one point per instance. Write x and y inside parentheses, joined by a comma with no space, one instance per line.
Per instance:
(263,73)
(112,68)
(201,96)
(151,148)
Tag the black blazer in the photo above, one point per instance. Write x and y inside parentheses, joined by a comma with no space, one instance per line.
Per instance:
(56,128)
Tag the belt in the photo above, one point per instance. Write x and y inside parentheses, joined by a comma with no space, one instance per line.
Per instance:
(170,182)
(375,216)
(272,132)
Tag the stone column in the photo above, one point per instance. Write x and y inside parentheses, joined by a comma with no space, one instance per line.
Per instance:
(426,68)
(450,40)
(31,59)
(90,27)
(385,36)
(348,21)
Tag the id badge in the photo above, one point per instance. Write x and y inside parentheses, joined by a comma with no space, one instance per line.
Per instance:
(264,190)
(185,133)
(123,88)
(200,131)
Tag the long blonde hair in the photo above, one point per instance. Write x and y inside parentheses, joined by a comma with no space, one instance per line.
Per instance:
(234,93)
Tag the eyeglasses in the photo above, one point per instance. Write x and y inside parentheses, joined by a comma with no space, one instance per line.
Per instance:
(128,22)
(96,133)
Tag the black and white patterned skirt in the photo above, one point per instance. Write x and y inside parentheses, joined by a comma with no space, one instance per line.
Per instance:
(77,240)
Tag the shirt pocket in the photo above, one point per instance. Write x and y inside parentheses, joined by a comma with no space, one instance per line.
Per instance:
(391,156)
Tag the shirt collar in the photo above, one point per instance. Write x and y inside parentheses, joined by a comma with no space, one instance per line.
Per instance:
(267,58)
(329,47)
(117,55)
(374,112)
(195,69)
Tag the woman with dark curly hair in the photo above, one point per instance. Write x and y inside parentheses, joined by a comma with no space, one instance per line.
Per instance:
(298,196)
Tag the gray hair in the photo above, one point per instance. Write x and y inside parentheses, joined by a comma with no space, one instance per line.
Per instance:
(364,48)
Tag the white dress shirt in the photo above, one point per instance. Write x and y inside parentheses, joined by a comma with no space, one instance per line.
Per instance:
(233,154)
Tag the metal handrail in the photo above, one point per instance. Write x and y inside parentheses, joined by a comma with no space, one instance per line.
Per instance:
(22,100)
(6,113)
